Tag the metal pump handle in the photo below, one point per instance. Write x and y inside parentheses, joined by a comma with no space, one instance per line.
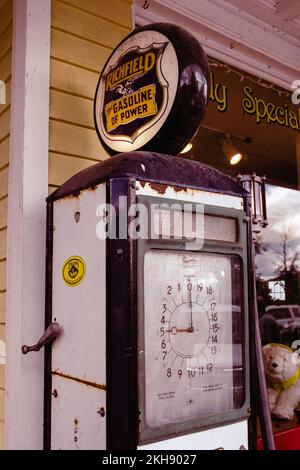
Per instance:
(51,333)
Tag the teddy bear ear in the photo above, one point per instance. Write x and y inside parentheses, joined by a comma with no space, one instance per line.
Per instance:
(266,348)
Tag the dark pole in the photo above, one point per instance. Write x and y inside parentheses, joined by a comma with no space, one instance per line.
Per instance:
(259,396)
(263,402)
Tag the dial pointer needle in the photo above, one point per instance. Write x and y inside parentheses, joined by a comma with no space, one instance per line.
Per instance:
(174,330)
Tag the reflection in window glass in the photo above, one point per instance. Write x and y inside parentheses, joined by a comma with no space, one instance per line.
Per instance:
(296,311)
(278,250)
(277,290)
(278,285)
(278,267)
(278,247)
(279,312)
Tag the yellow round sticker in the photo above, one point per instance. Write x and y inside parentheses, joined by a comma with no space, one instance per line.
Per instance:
(73,271)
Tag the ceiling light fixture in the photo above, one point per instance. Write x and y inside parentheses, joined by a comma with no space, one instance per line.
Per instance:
(232,153)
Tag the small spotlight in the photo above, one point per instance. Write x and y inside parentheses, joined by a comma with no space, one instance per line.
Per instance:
(235,159)
(187,148)
(233,155)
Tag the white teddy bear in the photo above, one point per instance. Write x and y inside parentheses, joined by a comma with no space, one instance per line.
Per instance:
(282,371)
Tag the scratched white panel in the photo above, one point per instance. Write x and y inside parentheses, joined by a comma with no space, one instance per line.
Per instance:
(80,310)
(79,353)
(76,416)
(231,437)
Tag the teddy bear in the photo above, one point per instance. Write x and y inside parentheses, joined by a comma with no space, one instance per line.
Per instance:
(282,369)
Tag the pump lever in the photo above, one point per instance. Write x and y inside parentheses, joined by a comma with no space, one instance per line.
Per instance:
(51,333)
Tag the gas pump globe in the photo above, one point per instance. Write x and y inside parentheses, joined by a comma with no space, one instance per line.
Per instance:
(148,270)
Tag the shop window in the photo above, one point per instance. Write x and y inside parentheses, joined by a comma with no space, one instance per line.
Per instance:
(278,284)
(278,254)
(270,147)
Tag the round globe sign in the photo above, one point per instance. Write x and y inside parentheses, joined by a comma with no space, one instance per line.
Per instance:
(152,92)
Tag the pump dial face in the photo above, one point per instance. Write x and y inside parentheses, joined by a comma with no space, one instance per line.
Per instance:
(189,353)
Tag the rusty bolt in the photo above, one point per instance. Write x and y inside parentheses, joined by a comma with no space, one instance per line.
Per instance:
(55,393)
(101,412)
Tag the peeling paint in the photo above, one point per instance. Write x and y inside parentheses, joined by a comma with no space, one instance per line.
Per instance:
(162,188)
(159,188)
(76,194)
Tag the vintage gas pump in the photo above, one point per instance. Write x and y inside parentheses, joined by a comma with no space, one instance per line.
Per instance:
(148,270)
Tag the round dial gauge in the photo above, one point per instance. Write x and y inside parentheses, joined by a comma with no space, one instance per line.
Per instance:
(190,355)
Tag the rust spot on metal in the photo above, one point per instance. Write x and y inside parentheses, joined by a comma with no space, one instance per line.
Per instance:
(178,189)
(75,194)
(162,188)
(101,412)
(75,429)
(77,379)
(159,188)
